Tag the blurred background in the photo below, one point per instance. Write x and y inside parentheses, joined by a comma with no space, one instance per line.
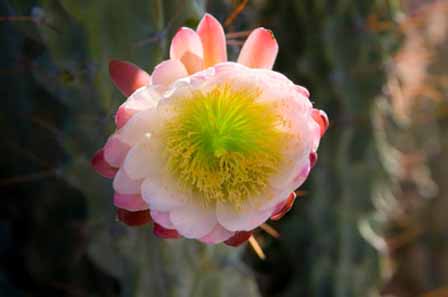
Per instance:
(371,220)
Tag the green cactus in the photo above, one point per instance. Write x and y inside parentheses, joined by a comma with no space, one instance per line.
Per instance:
(67,88)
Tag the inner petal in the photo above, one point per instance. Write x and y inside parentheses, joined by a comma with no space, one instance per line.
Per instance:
(223,144)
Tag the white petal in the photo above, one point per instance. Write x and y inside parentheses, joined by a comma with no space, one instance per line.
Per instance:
(115,150)
(161,195)
(245,219)
(217,235)
(162,218)
(144,159)
(123,184)
(193,220)
(141,123)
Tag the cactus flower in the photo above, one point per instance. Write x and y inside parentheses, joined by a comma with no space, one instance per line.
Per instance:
(205,148)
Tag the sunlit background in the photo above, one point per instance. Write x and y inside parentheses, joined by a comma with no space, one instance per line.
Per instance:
(372,220)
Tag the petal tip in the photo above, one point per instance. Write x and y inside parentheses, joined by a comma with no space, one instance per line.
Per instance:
(133,218)
(101,166)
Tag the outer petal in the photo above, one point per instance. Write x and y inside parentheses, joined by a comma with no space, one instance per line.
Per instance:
(213,40)
(313,159)
(124,184)
(302,90)
(141,99)
(283,207)
(115,150)
(161,232)
(259,50)
(246,219)
(239,238)
(217,235)
(322,119)
(101,166)
(144,159)
(168,71)
(161,196)
(131,202)
(127,77)
(140,124)
(133,218)
(193,220)
(162,218)
(187,47)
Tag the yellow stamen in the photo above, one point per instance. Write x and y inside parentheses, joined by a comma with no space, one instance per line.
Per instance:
(223,145)
(257,248)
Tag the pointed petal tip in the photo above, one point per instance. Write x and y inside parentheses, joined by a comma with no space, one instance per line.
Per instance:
(239,238)
(164,233)
(133,218)
(213,40)
(260,49)
(101,166)
(127,77)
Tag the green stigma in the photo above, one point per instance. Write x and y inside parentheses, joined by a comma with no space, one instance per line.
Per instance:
(223,144)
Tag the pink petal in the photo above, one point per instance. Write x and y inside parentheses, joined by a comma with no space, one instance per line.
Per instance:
(259,50)
(131,202)
(322,119)
(161,232)
(168,71)
(302,175)
(101,166)
(239,238)
(127,77)
(123,115)
(245,219)
(115,150)
(162,218)
(186,46)
(133,218)
(193,220)
(159,196)
(142,99)
(213,40)
(283,207)
(313,159)
(217,235)
(303,91)
(124,184)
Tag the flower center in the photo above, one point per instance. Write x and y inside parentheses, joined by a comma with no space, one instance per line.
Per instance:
(223,144)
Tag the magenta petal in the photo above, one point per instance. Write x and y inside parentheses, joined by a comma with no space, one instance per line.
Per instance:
(239,238)
(131,202)
(127,77)
(313,159)
(283,207)
(133,218)
(101,166)
(161,232)
(321,118)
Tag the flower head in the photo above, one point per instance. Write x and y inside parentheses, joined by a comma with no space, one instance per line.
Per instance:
(209,149)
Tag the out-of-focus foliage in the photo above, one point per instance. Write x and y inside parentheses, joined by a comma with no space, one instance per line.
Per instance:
(333,48)
(410,224)
(61,237)
(378,67)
